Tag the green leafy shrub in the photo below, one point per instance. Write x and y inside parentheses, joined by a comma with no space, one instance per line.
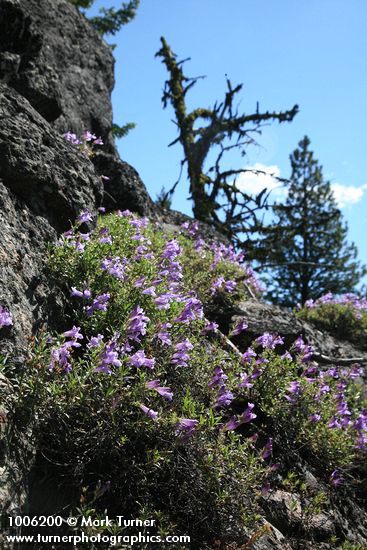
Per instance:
(145,398)
(345,317)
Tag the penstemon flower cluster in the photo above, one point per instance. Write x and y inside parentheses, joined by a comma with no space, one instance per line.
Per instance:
(138,316)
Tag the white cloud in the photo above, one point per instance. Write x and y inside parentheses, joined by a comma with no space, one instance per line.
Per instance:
(346,195)
(253,183)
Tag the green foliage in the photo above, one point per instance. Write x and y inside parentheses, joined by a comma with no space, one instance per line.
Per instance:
(305,250)
(164,199)
(344,321)
(89,427)
(111,20)
(120,132)
(292,414)
(211,133)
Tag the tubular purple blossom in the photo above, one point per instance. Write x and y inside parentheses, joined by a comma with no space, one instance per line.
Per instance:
(267,450)
(6,318)
(269,341)
(139,359)
(248,415)
(85,216)
(240,327)
(149,412)
(163,391)
(232,424)
(137,323)
(186,428)
(224,398)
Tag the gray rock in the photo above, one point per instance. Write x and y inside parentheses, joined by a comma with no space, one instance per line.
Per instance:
(124,189)
(45,183)
(53,57)
(262,317)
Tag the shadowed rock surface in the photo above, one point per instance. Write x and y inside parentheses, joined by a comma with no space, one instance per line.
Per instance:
(56,60)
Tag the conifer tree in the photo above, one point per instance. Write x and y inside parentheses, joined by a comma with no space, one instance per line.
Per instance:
(110,20)
(307,251)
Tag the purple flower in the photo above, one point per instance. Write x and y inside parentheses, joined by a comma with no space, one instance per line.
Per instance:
(256,373)
(305,351)
(268,449)
(218,378)
(138,223)
(265,489)
(240,327)
(199,245)
(114,266)
(105,178)
(100,303)
(86,293)
(232,424)
(163,335)
(210,327)
(187,427)
(140,360)
(315,417)
(247,415)
(217,284)
(95,341)
(245,381)
(361,442)
(163,391)
(230,285)
(163,300)
(88,136)
(193,310)
(248,355)
(69,136)
(294,389)
(74,333)
(101,209)
(360,422)
(336,479)
(334,423)
(125,214)
(269,341)
(171,250)
(149,412)
(60,357)
(224,398)
(6,318)
(139,282)
(106,240)
(109,356)
(356,371)
(180,357)
(85,216)
(137,323)
(98,141)
(150,291)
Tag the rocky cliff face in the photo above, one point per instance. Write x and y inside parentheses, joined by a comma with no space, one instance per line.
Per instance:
(56,75)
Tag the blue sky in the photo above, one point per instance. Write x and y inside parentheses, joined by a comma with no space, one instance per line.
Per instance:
(310,52)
